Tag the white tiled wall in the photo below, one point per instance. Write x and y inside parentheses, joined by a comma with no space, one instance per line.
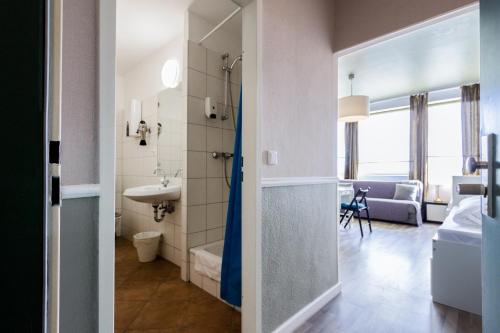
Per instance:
(207,192)
(137,165)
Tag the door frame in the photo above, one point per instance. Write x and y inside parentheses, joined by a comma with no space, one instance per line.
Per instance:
(428,22)
(106,105)
(251,188)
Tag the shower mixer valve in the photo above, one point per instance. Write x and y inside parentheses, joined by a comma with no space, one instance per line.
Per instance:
(217,154)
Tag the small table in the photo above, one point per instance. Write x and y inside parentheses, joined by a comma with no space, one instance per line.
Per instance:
(435,211)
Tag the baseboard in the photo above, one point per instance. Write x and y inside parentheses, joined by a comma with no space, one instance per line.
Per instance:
(309,310)
(296,181)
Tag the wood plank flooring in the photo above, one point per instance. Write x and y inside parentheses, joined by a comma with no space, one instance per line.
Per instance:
(386,285)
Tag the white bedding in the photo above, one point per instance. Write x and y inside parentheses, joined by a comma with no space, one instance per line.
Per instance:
(452,231)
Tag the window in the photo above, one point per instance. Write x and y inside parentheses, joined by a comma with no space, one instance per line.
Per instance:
(384,142)
(384,146)
(445,145)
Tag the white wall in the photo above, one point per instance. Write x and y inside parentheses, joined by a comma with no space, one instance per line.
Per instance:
(144,79)
(298,117)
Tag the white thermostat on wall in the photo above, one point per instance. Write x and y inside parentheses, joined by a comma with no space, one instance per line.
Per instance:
(272,157)
(210,108)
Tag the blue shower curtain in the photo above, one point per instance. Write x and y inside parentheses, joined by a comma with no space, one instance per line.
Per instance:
(230,288)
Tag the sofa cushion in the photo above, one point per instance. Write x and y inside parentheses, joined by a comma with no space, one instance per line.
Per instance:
(406,211)
(405,192)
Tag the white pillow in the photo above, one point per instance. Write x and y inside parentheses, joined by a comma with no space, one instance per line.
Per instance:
(405,192)
(468,212)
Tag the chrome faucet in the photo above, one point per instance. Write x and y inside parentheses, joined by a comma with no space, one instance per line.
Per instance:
(164,181)
(160,172)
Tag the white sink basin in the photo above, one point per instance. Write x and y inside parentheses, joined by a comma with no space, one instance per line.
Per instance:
(154,194)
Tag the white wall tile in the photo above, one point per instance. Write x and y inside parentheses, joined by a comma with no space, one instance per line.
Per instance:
(214,216)
(196,164)
(197,136)
(214,139)
(196,111)
(214,235)
(224,213)
(215,88)
(197,84)
(214,190)
(197,56)
(197,218)
(228,140)
(196,239)
(214,64)
(197,192)
(178,237)
(225,190)
(214,166)
(228,123)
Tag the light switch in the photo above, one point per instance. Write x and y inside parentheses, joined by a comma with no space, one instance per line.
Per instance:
(272,157)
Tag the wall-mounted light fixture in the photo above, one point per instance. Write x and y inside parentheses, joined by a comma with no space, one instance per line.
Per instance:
(170,73)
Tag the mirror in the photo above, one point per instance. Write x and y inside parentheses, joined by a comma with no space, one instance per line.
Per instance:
(169,131)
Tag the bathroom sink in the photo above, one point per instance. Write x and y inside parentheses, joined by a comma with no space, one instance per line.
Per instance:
(154,194)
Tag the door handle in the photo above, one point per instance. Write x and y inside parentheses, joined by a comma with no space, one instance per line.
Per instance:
(472,189)
(471,165)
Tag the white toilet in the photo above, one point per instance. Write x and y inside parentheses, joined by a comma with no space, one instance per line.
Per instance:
(146,244)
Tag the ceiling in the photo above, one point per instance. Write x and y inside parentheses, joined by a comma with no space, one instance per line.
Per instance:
(144,26)
(214,11)
(443,55)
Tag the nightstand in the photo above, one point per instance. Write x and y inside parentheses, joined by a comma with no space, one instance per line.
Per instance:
(435,211)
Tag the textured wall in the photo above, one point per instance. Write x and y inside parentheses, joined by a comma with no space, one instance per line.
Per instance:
(297,87)
(357,21)
(79,288)
(79,145)
(299,249)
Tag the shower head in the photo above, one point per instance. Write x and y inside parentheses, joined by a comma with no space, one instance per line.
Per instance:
(238,58)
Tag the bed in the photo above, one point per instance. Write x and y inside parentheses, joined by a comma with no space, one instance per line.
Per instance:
(456,255)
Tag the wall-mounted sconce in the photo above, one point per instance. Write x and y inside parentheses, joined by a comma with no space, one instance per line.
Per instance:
(142,130)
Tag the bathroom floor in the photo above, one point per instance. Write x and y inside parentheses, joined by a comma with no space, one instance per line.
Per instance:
(151,297)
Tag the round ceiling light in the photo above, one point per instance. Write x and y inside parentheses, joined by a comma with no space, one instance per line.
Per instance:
(170,73)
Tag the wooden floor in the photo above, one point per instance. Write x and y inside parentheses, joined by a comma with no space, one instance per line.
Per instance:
(386,286)
(151,298)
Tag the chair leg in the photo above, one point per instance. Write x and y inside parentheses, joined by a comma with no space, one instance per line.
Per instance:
(369,220)
(343,215)
(360,225)
(348,220)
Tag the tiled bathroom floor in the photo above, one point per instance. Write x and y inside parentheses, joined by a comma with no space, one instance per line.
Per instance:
(151,297)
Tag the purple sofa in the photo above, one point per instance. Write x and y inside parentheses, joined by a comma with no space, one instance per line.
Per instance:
(382,205)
